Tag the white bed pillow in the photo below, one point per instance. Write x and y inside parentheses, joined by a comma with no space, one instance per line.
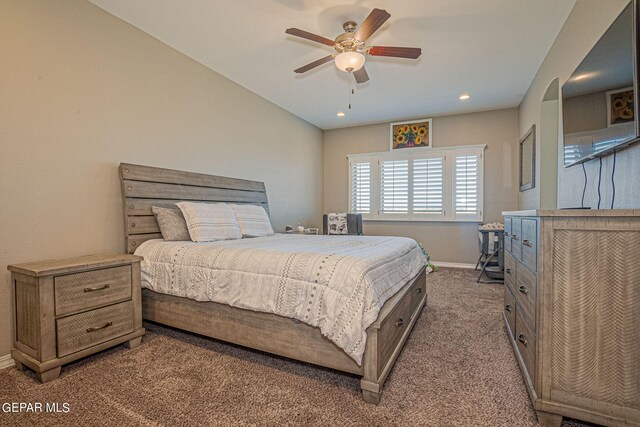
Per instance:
(253,220)
(337,223)
(208,222)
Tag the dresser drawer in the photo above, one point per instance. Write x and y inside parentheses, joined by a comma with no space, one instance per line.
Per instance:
(526,343)
(516,236)
(510,271)
(89,289)
(507,234)
(530,244)
(526,292)
(510,310)
(84,330)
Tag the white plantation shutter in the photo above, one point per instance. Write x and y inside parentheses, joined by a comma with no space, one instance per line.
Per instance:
(467,184)
(436,184)
(428,185)
(394,186)
(361,187)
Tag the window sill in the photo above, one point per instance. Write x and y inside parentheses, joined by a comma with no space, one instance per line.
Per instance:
(475,220)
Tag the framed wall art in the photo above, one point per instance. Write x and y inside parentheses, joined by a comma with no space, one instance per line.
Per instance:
(411,135)
(620,108)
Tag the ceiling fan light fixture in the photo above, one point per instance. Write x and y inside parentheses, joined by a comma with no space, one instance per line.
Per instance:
(349,61)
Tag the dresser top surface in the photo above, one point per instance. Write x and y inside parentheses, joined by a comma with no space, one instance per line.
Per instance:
(67,265)
(575,213)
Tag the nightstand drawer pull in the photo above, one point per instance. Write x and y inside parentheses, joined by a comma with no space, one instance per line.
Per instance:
(508,270)
(508,308)
(527,243)
(97,288)
(400,322)
(97,328)
(419,290)
(522,339)
(523,290)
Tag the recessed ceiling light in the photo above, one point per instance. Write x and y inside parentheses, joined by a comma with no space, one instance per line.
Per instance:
(464,97)
(340,114)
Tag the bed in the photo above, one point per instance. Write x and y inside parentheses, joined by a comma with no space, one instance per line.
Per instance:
(279,332)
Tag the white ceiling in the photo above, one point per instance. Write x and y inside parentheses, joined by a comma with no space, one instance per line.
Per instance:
(490,49)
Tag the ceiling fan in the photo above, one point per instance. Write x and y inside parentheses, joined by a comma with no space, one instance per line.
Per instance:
(351,48)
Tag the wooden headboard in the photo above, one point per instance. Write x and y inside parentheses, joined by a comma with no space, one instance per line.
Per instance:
(146,186)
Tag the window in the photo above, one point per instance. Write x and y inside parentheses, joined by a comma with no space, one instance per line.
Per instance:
(394,186)
(466,178)
(360,187)
(428,185)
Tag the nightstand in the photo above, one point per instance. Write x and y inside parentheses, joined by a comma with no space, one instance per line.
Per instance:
(71,308)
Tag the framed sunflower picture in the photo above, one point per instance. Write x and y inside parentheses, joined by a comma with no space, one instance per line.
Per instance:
(414,134)
(620,108)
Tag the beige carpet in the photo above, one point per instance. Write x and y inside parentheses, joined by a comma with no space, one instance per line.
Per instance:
(457,369)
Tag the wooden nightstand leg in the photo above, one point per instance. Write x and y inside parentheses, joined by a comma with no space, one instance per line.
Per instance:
(133,343)
(548,419)
(49,375)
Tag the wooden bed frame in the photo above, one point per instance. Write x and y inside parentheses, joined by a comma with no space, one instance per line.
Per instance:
(144,187)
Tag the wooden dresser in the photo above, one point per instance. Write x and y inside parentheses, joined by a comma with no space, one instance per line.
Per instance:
(572,312)
(71,308)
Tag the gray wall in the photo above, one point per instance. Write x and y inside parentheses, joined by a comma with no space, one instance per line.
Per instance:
(587,22)
(83,91)
(449,242)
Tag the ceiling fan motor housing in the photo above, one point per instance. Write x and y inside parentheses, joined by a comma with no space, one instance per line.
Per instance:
(345,42)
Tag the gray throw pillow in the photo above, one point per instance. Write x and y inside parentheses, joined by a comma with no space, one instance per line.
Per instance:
(172,224)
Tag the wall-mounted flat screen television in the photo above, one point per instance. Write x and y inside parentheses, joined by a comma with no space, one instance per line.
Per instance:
(599,99)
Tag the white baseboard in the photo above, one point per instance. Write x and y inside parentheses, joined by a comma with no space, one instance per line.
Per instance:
(453,265)
(6,361)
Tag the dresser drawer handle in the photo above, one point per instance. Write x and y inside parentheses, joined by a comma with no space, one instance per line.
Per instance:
(507,235)
(419,290)
(508,270)
(508,307)
(515,237)
(97,288)
(527,243)
(523,290)
(97,328)
(522,339)
(400,322)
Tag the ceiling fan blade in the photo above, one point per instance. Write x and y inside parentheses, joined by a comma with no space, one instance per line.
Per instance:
(376,18)
(314,64)
(310,36)
(361,75)
(397,52)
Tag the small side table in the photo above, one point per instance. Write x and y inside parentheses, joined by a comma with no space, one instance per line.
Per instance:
(71,308)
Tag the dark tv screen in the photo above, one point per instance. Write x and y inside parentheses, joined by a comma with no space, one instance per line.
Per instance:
(598,100)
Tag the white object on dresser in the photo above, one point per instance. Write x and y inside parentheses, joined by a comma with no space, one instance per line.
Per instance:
(572,311)
(68,309)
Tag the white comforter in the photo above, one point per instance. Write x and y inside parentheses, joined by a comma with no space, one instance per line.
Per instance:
(335,283)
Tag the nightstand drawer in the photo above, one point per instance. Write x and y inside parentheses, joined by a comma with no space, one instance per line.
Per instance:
(82,291)
(83,330)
